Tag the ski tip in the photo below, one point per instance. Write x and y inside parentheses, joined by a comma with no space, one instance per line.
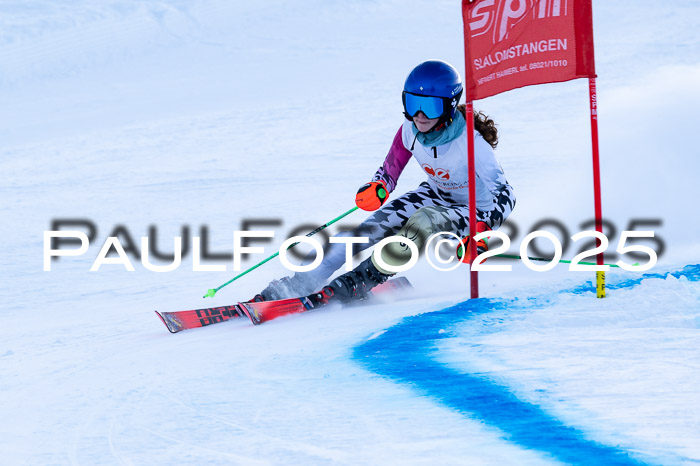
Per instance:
(250,312)
(166,323)
(405,283)
(392,285)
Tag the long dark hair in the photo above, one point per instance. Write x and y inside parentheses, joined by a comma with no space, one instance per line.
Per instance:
(484,125)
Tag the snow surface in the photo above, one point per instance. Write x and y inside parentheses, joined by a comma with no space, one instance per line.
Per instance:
(173,114)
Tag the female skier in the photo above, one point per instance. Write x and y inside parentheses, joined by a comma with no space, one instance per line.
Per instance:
(433,135)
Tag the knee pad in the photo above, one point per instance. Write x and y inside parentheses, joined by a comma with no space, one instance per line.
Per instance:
(418,229)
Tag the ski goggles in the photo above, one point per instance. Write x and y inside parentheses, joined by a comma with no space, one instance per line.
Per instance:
(432,107)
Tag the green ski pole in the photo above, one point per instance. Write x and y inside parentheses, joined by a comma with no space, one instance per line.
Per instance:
(212,291)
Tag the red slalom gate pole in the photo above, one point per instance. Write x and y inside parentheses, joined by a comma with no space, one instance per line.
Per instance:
(473,274)
(592,91)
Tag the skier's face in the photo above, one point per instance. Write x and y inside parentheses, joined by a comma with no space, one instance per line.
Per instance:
(423,123)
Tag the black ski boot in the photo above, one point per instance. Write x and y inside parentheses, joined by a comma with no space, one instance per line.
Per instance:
(356,285)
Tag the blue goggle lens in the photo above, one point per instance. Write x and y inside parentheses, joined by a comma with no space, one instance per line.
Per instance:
(431,106)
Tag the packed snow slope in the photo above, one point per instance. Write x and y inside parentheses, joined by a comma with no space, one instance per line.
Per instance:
(190,118)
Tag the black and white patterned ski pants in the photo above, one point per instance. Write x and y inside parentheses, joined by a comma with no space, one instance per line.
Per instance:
(439,215)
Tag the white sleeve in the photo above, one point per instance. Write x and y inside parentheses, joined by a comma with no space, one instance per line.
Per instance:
(487,167)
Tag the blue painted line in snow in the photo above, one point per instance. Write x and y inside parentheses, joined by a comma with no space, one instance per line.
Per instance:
(405,352)
(691,272)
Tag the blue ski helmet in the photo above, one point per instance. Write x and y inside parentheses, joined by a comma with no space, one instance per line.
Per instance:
(434,87)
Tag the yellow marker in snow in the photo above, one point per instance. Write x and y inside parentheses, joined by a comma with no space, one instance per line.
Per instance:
(600,284)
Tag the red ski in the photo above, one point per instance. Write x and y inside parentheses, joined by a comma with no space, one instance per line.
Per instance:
(261,312)
(183,320)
